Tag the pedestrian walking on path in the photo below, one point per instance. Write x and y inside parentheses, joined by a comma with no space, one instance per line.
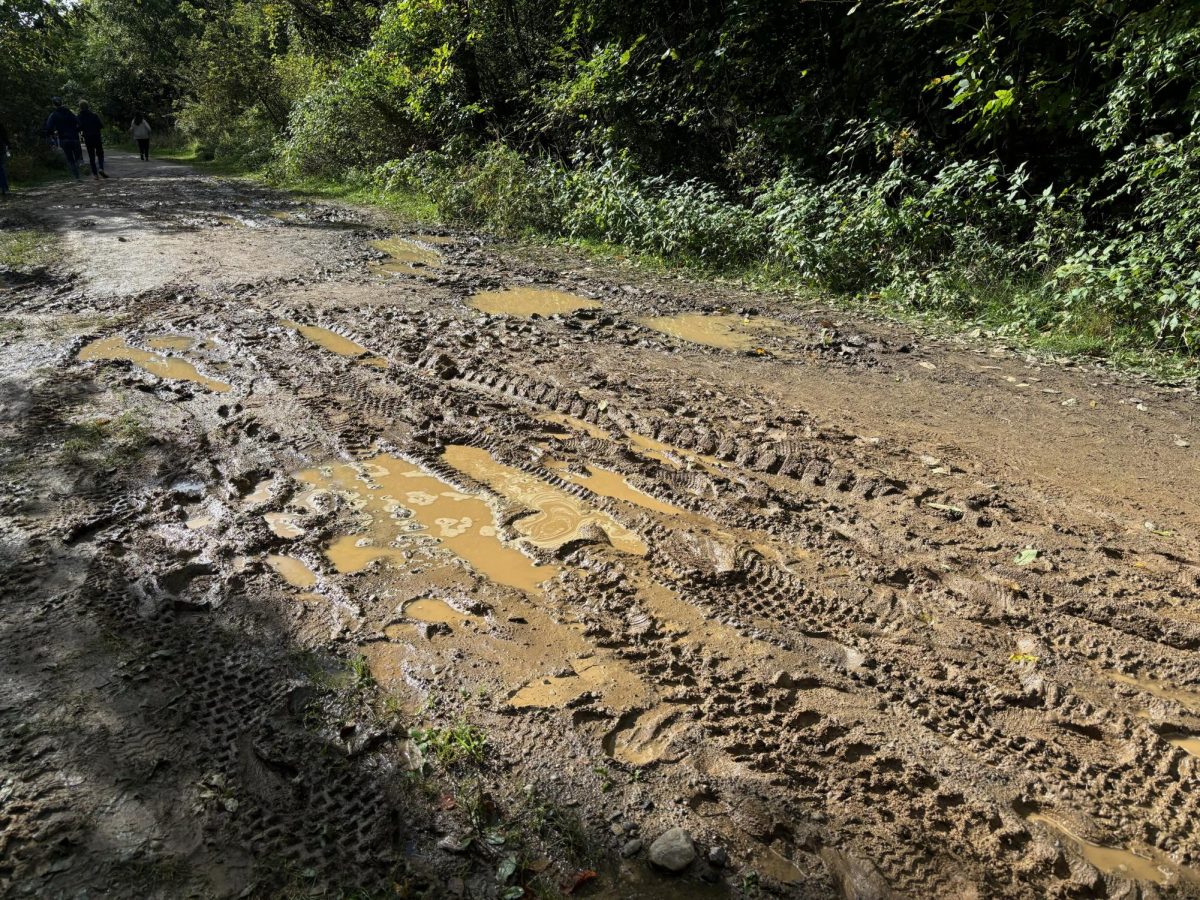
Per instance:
(63,125)
(140,129)
(3,161)
(91,126)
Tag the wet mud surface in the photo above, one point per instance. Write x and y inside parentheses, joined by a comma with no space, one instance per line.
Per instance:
(867,613)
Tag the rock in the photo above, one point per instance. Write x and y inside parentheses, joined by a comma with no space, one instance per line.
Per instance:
(673,851)
(632,848)
(719,857)
(454,844)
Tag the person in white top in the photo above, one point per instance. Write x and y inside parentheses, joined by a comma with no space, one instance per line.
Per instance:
(140,129)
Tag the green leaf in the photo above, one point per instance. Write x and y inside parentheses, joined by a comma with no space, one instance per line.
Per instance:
(506,870)
(1025,557)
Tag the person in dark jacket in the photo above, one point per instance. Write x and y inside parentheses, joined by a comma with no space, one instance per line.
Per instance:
(63,125)
(90,125)
(3,162)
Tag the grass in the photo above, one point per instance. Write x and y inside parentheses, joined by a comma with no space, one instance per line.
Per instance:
(1000,312)
(123,438)
(26,249)
(458,743)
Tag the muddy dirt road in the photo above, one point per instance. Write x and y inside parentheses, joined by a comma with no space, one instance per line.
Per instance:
(342,556)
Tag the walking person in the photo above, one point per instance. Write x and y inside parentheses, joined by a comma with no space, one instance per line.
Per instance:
(140,129)
(3,161)
(91,126)
(63,125)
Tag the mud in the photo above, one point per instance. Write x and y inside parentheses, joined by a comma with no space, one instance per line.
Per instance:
(526,302)
(868,613)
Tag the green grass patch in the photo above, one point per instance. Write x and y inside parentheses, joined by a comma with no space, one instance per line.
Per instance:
(461,742)
(26,249)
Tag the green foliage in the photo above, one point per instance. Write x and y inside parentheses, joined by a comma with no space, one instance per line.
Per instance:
(458,743)
(1030,164)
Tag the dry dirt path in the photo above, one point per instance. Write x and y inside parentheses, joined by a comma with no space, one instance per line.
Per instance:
(867,613)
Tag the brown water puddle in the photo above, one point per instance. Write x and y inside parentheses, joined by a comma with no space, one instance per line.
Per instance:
(335,343)
(1188,743)
(611,484)
(261,492)
(526,302)
(283,525)
(401,502)
(724,332)
(430,609)
(1114,860)
(559,517)
(405,257)
(618,686)
(171,368)
(1161,689)
(776,866)
(175,342)
(292,570)
(675,457)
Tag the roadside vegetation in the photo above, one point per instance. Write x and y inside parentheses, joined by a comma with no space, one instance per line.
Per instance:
(1031,168)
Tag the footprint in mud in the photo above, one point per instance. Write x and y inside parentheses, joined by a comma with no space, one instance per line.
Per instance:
(644,737)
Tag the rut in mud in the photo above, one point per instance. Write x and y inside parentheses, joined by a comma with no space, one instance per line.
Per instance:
(864,612)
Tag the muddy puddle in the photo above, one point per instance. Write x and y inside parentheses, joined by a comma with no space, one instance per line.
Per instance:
(292,570)
(613,485)
(1113,860)
(174,342)
(438,612)
(525,302)
(284,525)
(1161,689)
(725,332)
(558,517)
(166,367)
(401,503)
(1188,743)
(335,343)
(675,457)
(405,257)
(618,686)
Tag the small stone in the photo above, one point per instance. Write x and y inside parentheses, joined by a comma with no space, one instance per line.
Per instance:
(673,851)
(454,844)
(719,857)
(632,848)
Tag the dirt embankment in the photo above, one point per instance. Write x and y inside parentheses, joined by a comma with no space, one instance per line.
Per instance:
(339,559)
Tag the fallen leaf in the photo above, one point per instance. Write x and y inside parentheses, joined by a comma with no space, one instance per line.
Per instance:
(926,365)
(1180,442)
(945,507)
(1025,557)
(447,802)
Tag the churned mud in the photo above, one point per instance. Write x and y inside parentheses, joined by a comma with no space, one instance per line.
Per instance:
(339,556)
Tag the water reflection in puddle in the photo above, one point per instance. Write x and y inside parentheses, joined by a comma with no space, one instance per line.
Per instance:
(402,502)
(558,518)
(404,257)
(335,343)
(175,342)
(430,609)
(292,570)
(619,686)
(1160,689)
(171,368)
(725,332)
(1110,860)
(1188,743)
(526,302)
